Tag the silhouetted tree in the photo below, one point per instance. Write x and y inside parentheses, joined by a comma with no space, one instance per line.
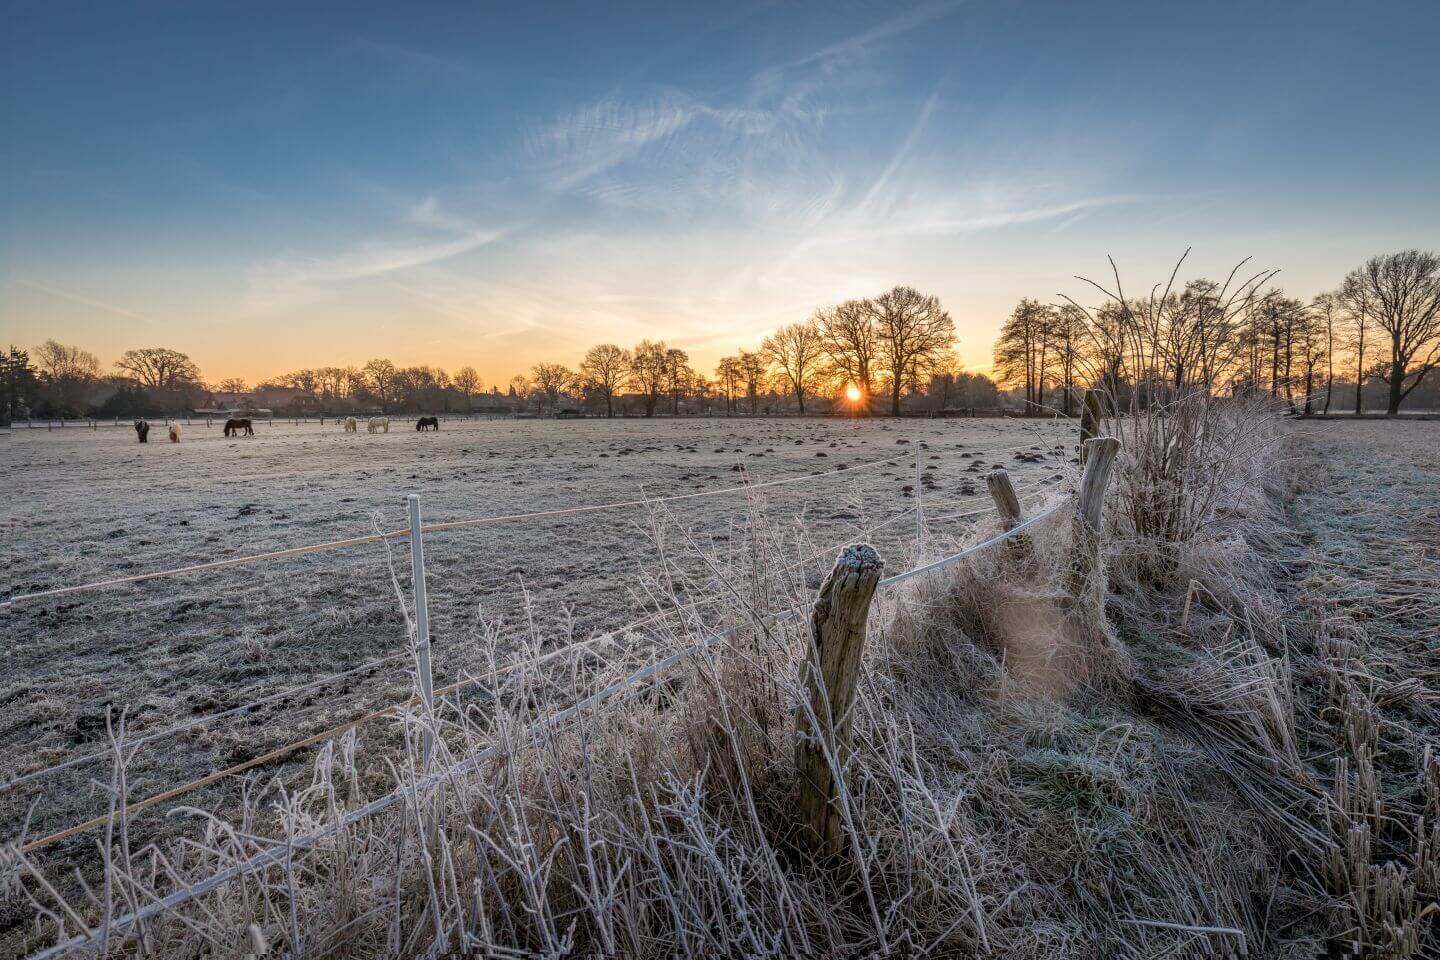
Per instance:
(796,350)
(160,368)
(604,369)
(850,339)
(1402,291)
(649,368)
(18,383)
(913,334)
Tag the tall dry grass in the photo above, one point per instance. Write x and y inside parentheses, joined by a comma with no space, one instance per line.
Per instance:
(996,802)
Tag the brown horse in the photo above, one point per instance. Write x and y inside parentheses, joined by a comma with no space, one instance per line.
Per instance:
(427,423)
(237,425)
(142,430)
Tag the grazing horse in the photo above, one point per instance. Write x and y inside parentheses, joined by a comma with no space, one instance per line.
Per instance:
(379,425)
(142,430)
(350,424)
(174,433)
(238,425)
(427,423)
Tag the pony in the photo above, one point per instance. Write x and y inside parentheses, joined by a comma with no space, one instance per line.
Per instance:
(238,425)
(427,423)
(174,433)
(349,424)
(142,430)
(379,425)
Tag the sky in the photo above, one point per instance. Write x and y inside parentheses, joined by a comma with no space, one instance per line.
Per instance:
(274,186)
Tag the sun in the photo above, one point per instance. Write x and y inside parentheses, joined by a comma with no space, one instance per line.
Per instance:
(853,394)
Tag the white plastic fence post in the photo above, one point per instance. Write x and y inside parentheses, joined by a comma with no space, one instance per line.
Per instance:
(422,625)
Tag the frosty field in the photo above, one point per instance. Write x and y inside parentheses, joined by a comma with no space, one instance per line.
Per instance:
(88,505)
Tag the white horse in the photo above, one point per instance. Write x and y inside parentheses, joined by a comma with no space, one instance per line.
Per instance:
(174,433)
(349,424)
(379,425)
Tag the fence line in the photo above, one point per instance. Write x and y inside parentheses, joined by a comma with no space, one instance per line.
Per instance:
(285,850)
(332,732)
(415,531)
(435,528)
(955,558)
(443,691)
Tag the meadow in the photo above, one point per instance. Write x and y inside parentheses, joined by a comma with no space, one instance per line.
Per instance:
(95,504)
(1229,749)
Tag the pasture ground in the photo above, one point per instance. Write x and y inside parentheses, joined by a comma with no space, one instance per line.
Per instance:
(87,505)
(1357,556)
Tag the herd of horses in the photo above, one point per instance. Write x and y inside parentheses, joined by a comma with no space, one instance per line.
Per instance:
(244,426)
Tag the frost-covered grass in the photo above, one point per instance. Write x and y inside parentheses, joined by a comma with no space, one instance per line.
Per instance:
(1261,779)
(94,504)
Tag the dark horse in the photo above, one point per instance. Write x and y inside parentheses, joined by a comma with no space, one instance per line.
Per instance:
(238,425)
(142,430)
(427,423)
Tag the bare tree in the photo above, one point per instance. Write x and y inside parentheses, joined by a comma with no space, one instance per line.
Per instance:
(752,374)
(160,368)
(1310,354)
(1277,320)
(1018,350)
(551,381)
(850,340)
(728,375)
(1355,300)
(1067,333)
(648,369)
(1403,292)
(59,361)
(605,368)
(66,374)
(379,378)
(1324,307)
(679,377)
(914,335)
(467,381)
(796,350)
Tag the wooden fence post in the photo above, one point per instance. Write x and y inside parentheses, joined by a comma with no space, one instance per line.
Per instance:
(1088,526)
(1007,504)
(1089,420)
(422,627)
(829,674)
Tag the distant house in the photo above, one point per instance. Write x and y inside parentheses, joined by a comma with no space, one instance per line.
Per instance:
(221,401)
(288,399)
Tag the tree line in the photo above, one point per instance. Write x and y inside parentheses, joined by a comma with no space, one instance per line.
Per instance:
(887,353)
(1372,341)
(861,354)
(1375,338)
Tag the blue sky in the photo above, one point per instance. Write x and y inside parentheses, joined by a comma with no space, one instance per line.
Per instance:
(273,186)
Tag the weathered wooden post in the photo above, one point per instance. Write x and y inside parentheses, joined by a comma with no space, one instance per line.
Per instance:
(1007,504)
(1088,526)
(1089,419)
(829,675)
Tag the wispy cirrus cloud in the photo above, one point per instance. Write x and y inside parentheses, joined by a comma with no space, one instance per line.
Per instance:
(291,281)
(81,299)
(861,43)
